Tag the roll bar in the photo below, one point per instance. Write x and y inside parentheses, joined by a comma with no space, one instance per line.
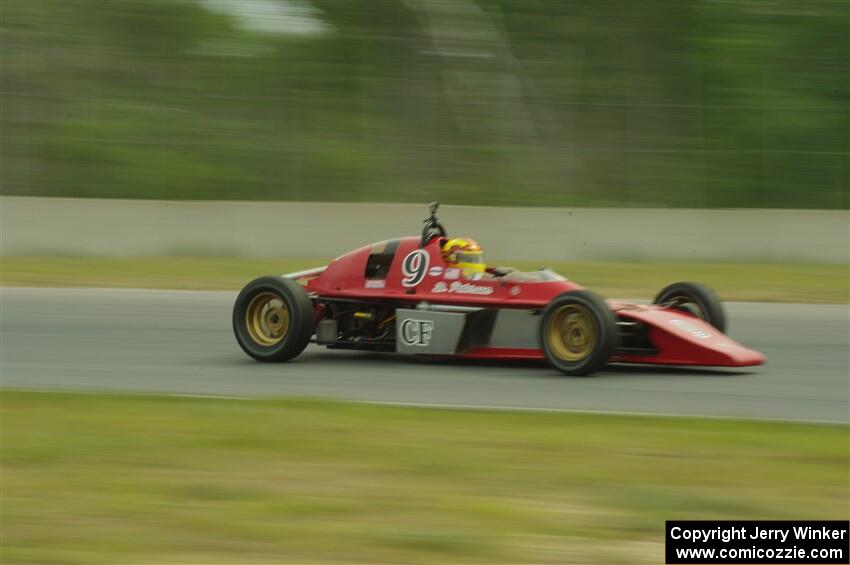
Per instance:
(432,228)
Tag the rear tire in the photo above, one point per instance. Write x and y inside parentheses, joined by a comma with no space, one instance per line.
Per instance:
(578,333)
(273,319)
(696,299)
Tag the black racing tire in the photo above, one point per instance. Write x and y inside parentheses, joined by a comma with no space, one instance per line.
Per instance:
(694,298)
(273,319)
(578,333)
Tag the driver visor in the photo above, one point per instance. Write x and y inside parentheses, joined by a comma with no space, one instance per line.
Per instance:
(473,258)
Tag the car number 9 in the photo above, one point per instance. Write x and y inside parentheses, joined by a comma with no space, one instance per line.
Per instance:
(414,267)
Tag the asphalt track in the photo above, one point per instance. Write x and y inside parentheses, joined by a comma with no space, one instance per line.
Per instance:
(181,342)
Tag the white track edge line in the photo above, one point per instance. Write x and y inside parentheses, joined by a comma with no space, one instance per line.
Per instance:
(439,406)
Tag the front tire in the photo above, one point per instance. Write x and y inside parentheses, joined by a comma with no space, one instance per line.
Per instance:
(695,299)
(578,333)
(273,319)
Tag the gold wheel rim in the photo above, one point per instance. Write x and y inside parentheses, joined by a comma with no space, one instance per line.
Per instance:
(572,333)
(267,319)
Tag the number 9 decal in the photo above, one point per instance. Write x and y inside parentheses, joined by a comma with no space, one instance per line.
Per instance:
(414,267)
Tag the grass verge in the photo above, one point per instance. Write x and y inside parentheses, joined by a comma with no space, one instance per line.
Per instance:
(133,479)
(734,281)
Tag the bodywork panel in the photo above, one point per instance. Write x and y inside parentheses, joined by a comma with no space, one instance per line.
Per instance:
(683,339)
(345,277)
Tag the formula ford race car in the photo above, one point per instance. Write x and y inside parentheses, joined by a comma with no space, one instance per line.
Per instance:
(404,296)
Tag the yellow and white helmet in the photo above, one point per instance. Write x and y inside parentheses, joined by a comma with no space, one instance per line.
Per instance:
(465,254)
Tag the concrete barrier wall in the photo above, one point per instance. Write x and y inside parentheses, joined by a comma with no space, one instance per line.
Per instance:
(68,226)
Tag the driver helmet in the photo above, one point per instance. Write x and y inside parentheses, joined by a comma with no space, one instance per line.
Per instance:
(466,255)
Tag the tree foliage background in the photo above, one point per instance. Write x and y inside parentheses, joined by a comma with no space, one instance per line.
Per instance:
(704,103)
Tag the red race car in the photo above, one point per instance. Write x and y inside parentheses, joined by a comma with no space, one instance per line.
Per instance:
(431,295)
